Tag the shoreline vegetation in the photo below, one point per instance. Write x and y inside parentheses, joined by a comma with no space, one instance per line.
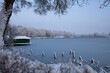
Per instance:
(14,30)
(35,33)
(12,62)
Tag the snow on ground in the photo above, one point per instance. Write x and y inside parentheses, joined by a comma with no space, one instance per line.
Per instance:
(13,63)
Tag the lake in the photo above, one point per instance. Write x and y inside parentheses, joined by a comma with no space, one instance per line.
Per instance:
(97,48)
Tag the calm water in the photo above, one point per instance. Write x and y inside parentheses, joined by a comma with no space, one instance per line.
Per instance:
(97,48)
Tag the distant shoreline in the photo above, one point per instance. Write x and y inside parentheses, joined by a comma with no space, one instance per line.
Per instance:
(64,37)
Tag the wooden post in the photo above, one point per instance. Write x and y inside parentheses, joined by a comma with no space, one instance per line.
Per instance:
(73,54)
(31,51)
(70,51)
(92,60)
(42,53)
(54,55)
(62,54)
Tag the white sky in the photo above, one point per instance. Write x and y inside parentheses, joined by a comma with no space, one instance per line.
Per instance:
(81,20)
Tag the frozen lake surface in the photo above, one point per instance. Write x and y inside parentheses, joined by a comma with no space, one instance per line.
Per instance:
(97,48)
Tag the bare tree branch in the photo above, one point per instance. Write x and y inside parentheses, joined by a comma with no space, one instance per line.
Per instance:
(105,3)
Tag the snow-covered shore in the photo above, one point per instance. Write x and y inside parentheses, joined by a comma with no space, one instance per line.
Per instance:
(11,62)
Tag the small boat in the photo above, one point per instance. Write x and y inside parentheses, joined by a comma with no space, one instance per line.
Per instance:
(21,40)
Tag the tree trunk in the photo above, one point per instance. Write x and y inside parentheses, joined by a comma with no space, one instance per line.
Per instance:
(5,15)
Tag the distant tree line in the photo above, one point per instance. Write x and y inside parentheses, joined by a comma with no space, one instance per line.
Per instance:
(14,30)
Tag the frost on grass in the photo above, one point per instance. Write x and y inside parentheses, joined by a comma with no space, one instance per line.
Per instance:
(11,62)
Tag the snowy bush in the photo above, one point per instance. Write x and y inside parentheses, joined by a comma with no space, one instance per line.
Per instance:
(13,63)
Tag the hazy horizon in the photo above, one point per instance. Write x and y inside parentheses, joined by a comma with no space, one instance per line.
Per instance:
(80,20)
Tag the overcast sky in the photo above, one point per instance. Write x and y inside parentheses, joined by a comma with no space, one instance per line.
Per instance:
(81,20)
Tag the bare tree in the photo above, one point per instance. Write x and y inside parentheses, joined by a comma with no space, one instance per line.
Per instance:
(40,6)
